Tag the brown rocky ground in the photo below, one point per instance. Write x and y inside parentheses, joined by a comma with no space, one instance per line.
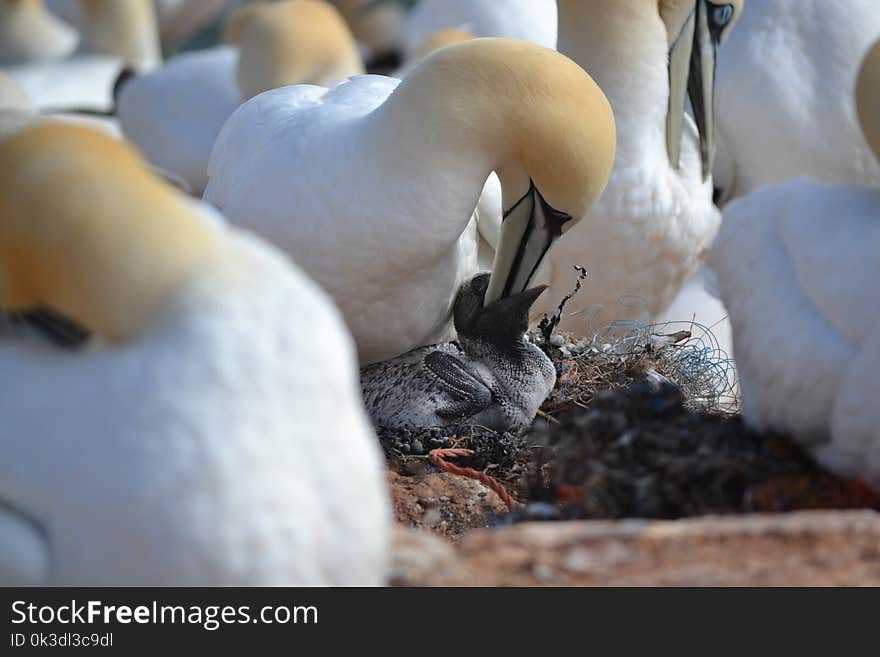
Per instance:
(808,548)
(654,484)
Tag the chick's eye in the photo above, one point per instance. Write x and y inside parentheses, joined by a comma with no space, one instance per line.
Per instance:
(722,14)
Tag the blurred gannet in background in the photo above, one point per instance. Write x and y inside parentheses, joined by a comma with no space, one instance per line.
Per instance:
(798,265)
(214,435)
(29,33)
(128,29)
(116,35)
(646,235)
(180,19)
(529,20)
(493,377)
(378,28)
(174,114)
(434,41)
(15,106)
(371,186)
(784,95)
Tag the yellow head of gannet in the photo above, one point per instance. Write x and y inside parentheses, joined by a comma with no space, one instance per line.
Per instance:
(695,30)
(28,32)
(291,42)
(868,98)
(69,252)
(522,101)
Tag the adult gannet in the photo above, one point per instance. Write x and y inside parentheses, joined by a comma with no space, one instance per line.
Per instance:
(116,35)
(174,114)
(128,30)
(29,33)
(15,106)
(211,437)
(434,41)
(371,186)
(784,95)
(529,20)
(493,377)
(377,26)
(180,19)
(798,265)
(646,235)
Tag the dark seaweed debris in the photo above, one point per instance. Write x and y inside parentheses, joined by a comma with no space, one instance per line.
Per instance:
(639,452)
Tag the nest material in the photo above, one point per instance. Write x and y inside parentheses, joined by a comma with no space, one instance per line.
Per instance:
(640,452)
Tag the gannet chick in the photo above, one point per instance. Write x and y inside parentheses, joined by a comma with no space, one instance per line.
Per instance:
(175,113)
(798,265)
(493,377)
(29,33)
(215,435)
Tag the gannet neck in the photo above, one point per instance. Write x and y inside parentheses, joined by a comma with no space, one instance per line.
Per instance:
(868,98)
(506,106)
(62,245)
(292,42)
(125,29)
(608,37)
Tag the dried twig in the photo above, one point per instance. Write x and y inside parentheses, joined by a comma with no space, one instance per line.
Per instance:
(548,324)
(438,456)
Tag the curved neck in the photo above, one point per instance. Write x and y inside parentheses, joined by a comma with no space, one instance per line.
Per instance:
(606,37)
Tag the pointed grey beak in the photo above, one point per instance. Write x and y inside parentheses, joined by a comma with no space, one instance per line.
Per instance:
(504,321)
(528,230)
(692,60)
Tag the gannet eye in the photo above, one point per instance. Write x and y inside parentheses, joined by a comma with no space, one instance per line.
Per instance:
(722,14)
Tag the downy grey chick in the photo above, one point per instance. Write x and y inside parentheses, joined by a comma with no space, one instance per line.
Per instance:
(491,377)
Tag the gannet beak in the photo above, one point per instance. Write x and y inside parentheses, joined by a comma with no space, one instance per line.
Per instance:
(679,68)
(692,61)
(528,230)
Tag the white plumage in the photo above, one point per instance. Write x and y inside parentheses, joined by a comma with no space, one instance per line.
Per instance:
(174,114)
(799,272)
(798,266)
(647,233)
(370,224)
(372,185)
(529,20)
(225,443)
(784,103)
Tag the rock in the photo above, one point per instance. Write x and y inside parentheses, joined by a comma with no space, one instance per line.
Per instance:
(557,340)
(447,504)
(418,556)
(810,548)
